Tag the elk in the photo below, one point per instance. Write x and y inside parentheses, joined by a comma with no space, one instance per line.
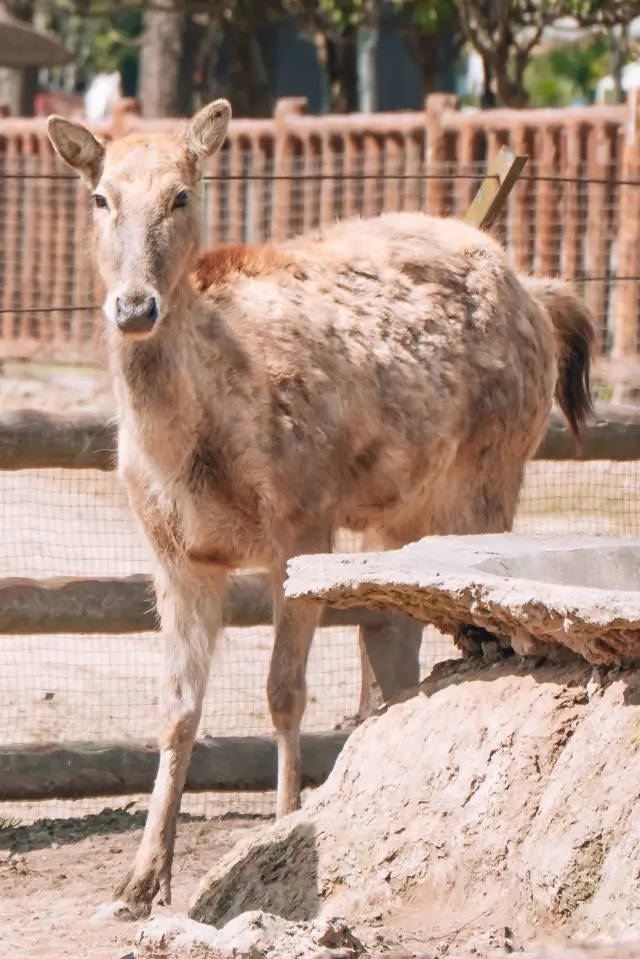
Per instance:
(390,375)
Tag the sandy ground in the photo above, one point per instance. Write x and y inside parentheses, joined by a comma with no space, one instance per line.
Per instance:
(55,522)
(54,876)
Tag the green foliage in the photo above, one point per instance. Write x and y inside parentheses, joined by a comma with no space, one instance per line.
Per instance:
(115,40)
(339,14)
(564,76)
(607,12)
(106,34)
(104,38)
(428,15)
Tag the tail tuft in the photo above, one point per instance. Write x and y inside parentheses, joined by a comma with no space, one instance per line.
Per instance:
(575,334)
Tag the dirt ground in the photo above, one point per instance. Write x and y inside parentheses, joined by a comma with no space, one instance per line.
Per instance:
(55,874)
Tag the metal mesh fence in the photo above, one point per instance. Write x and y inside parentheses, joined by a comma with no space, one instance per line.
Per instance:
(580,226)
(65,523)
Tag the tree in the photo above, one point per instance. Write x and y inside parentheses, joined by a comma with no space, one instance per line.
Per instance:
(430,30)
(163,64)
(201,48)
(433,36)
(178,43)
(567,74)
(505,32)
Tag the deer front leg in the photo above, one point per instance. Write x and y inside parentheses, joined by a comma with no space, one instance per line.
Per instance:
(191,613)
(295,624)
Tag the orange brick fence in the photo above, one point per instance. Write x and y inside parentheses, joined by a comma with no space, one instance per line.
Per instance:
(576,210)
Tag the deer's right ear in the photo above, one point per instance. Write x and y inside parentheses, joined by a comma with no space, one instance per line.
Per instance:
(77,147)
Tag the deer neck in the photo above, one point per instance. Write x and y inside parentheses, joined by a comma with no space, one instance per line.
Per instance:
(158,406)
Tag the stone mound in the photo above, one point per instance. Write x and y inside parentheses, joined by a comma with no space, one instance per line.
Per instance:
(492,797)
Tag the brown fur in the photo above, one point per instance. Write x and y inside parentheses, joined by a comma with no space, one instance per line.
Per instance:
(217,267)
(575,343)
(391,375)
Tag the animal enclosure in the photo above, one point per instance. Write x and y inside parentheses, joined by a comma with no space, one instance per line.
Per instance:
(100,687)
(575,211)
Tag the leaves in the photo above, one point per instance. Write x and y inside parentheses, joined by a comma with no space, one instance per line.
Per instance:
(505,32)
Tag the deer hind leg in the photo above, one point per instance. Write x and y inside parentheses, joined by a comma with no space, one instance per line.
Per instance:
(483,501)
(191,614)
(390,649)
(486,503)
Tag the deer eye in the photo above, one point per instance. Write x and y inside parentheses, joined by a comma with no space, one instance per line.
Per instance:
(99,201)
(181,200)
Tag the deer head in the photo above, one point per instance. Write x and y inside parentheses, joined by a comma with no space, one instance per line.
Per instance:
(145,214)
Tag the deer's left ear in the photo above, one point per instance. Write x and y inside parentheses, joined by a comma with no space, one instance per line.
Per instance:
(77,146)
(206,131)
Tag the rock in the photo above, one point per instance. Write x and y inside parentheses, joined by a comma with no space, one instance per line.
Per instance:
(493,796)
(176,937)
(541,592)
(252,935)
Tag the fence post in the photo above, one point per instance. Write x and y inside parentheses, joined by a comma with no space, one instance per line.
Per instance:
(495,188)
(436,150)
(625,343)
(282,164)
(123,109)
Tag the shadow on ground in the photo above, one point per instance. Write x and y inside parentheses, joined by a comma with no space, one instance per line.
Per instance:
(42,833)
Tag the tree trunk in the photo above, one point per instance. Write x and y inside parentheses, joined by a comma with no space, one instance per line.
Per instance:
(619,51)
(434,56)
(162,65)
(249,88)
(210,86)
(366,65)
(512,93)
(343,72)
(192,39)
(488,101)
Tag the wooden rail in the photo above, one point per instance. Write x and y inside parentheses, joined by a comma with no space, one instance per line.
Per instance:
(31,439)
(127,605)
(85,770)
(613,434)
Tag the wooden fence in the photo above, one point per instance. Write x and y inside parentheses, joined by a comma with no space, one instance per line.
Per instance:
(74,770)
(576,211)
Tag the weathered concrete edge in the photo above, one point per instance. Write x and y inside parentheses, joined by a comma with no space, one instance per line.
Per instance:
(601,625)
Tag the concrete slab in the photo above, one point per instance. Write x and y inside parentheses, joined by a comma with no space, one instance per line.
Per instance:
(533,592)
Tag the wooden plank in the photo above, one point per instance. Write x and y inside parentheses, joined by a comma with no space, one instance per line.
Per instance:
(78,770)
(495,188)
(76,606)
(614,434)
(30,439)
(126,605)
(625,337)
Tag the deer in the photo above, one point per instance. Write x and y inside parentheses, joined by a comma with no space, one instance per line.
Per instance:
(389,375)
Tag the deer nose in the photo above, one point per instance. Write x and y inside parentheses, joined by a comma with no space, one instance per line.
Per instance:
(136,314)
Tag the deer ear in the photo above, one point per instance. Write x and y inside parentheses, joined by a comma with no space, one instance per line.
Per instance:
(206,130)
(77,147)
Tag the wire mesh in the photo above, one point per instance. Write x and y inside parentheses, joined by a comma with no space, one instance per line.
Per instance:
(580,226)
(77,523)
